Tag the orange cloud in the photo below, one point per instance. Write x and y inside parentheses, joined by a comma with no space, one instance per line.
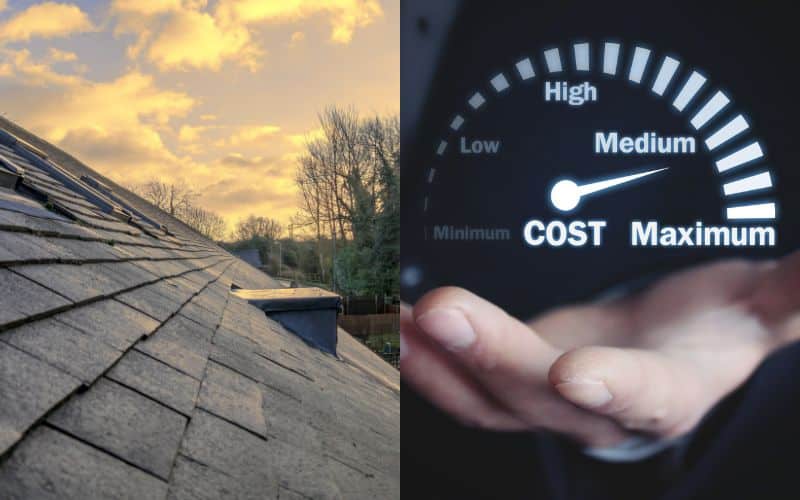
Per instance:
(253,134)
(194,40)
(45,20)
(345,15)
(20,65)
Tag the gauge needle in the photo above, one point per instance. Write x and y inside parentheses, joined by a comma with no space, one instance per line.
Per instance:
(566,194)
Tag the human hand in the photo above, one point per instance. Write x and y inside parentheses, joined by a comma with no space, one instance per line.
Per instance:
(654,362)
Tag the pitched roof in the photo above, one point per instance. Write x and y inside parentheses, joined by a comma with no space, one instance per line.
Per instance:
(129,370)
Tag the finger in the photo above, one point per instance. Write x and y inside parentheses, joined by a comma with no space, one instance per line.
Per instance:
(775,299)
(642,390)
(509,360)
(445,384)
(484,338)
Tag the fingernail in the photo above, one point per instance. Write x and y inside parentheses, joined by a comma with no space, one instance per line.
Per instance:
(449,327)
(585,393)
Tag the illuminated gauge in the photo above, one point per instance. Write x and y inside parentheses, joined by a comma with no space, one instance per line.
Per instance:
(575,156)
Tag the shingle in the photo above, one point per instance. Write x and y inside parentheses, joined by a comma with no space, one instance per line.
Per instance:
(353,483)
(29,388)
(193,480)
(148,300)
(260,466)
(58,226)
(233,397)
(23,298)
(259,368)
(182,344)
(16,203)
(157,380)
(64,347)
(111,322)
(78,282)
(86,250)
(200,315)
(49,465)
(124,423)
(21,247)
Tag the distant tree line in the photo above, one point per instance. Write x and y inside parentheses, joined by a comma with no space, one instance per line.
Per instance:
(178,200)
(349,214)
(349,179)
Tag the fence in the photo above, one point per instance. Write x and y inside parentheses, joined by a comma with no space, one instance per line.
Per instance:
(371,304)
(370,324)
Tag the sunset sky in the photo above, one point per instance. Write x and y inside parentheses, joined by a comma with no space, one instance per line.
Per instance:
(217,93)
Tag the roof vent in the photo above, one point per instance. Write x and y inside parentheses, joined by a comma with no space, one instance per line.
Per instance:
(309,313)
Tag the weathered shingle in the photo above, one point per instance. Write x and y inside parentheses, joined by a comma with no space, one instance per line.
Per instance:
(64,347)
(234,397)
(23,298)
(157,380)
(112,334)
(111,322)
(50,465)
(182,344)
(124,423)
(29,388)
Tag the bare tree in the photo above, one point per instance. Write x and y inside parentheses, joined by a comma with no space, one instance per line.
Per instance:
(257,227)
(349,180)
(179,200)
(171,198)
(206,222)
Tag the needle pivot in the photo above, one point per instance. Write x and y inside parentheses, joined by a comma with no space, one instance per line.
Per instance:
(566,194)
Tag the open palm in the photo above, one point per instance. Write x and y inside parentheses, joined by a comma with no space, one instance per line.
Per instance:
(652,362)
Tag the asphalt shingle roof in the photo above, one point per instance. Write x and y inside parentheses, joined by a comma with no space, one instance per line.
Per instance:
(128,370)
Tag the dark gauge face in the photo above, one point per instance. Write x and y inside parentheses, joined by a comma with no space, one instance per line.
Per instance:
(593,162)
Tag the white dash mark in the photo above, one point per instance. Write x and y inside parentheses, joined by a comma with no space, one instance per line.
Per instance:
(457,122)
(431,174)
(710,110)
(525,69)
(665,75)
(739,157)
(477,100)
(552,57)
(689,90)
(581,56)
(727,132)
(640,58)
(610,58)
(751,183)
(441,148)
(754,211)
(499,82)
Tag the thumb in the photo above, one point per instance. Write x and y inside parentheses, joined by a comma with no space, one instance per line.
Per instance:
(642,390)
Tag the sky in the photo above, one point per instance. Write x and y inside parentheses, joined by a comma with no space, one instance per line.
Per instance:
(219,94)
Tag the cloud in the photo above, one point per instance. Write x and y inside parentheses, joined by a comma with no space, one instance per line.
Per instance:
(300,140)
(252,135)
(178,35)
(145,7)
(20,66)
(45,20)
(190,133)
(264,165)
(345,15)
(297,38)
(56,55)
(3,5)
(208,117)
(193,40)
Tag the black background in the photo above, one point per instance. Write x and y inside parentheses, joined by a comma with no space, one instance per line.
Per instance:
(748,49)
